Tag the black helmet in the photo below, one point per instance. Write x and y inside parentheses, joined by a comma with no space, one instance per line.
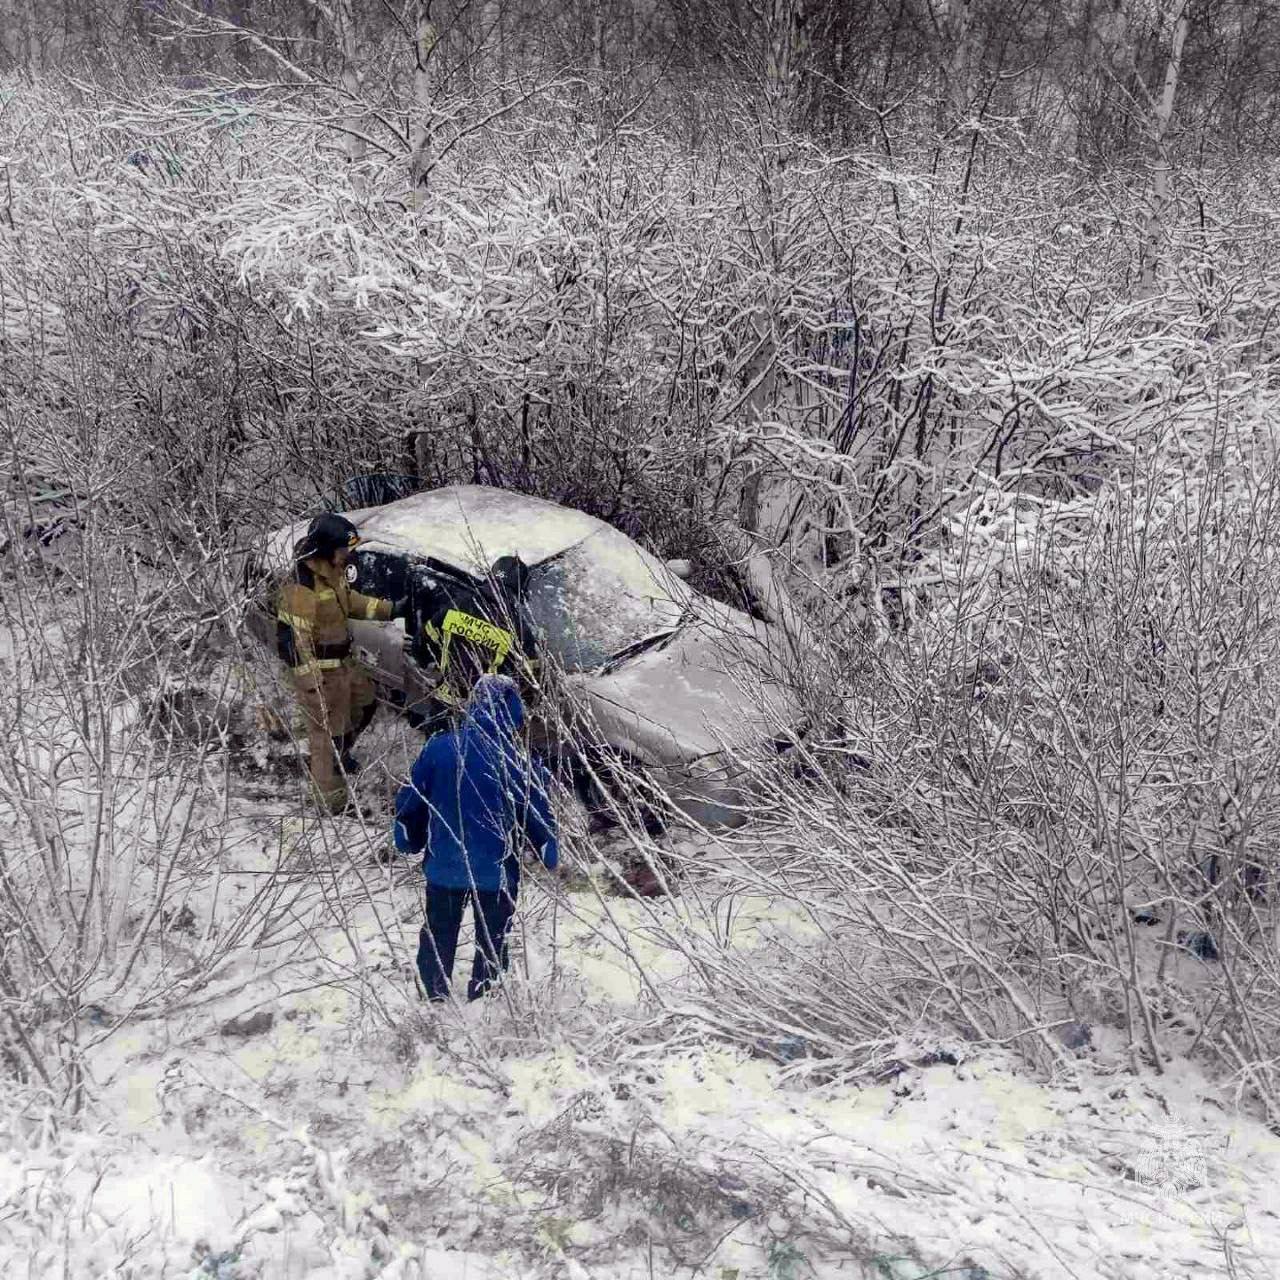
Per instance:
(325,535)
(511,574)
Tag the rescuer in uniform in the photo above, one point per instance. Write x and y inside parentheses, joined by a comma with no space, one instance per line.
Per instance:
(467,631)
(336,697)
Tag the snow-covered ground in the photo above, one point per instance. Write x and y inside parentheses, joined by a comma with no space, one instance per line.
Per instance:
(302,1116)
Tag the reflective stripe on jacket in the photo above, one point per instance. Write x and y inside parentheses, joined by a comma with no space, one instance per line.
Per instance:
(315,605)
(480,618)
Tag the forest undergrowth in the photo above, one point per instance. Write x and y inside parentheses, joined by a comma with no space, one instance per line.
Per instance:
(1029,511)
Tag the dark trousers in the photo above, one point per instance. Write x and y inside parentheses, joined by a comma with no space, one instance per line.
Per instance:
(438,938)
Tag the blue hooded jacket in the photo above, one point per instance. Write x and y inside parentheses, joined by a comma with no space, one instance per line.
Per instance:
(474,794)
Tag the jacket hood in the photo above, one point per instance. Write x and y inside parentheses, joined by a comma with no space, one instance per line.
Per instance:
(495,709)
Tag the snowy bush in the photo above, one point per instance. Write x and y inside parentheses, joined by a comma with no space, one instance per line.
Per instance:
(1032,520)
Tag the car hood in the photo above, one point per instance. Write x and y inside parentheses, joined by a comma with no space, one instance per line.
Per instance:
(468,526)
(716,685)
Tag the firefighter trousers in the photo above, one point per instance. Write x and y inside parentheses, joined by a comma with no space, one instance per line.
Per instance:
(337,705)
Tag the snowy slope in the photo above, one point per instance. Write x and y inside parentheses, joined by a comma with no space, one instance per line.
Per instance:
(579,1126)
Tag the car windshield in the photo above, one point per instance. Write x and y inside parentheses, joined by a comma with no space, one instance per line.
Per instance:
(601,596)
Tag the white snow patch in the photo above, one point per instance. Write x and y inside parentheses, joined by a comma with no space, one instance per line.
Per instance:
(464,525)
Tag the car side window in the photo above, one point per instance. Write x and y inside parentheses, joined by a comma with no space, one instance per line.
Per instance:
(430,589)
(379,573)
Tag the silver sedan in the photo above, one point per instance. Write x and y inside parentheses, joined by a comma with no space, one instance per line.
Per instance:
(643,673)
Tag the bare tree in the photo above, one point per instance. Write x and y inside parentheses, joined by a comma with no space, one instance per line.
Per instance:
(954,20)
(1161,116)
(424,50)
(344,28)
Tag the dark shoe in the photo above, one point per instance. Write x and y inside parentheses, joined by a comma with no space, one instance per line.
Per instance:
(653,824)
(347,763)
(425,996)
(354,809)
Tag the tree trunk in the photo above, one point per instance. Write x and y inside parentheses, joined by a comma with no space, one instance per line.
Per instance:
(763,371)
(9,36)
(779,60)
(493,51)
(354,124)
(1087,102)
(597,37)
(1161,116)
(769,592)
(954,22)
(242,16)
(760,374)
(424,44)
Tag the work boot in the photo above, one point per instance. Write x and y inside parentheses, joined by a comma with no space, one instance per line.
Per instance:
(331,798)
(643,880)
(337,801)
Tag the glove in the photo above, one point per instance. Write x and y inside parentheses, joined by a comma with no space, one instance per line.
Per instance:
(400,608)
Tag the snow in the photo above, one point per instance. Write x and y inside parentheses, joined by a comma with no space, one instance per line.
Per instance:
(977,1161)
(930,1170)
(579,1120)
(470,526)
(114,1199)
(699,695)
(179,1197)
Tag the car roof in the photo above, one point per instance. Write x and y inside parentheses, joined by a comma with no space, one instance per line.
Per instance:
(468,526)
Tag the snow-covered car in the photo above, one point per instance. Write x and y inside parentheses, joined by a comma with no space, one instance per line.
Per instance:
(640,668)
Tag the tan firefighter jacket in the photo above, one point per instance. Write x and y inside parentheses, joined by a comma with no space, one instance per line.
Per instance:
(312,618)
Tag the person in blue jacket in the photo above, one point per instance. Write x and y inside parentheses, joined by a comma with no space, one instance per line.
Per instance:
(474,797)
